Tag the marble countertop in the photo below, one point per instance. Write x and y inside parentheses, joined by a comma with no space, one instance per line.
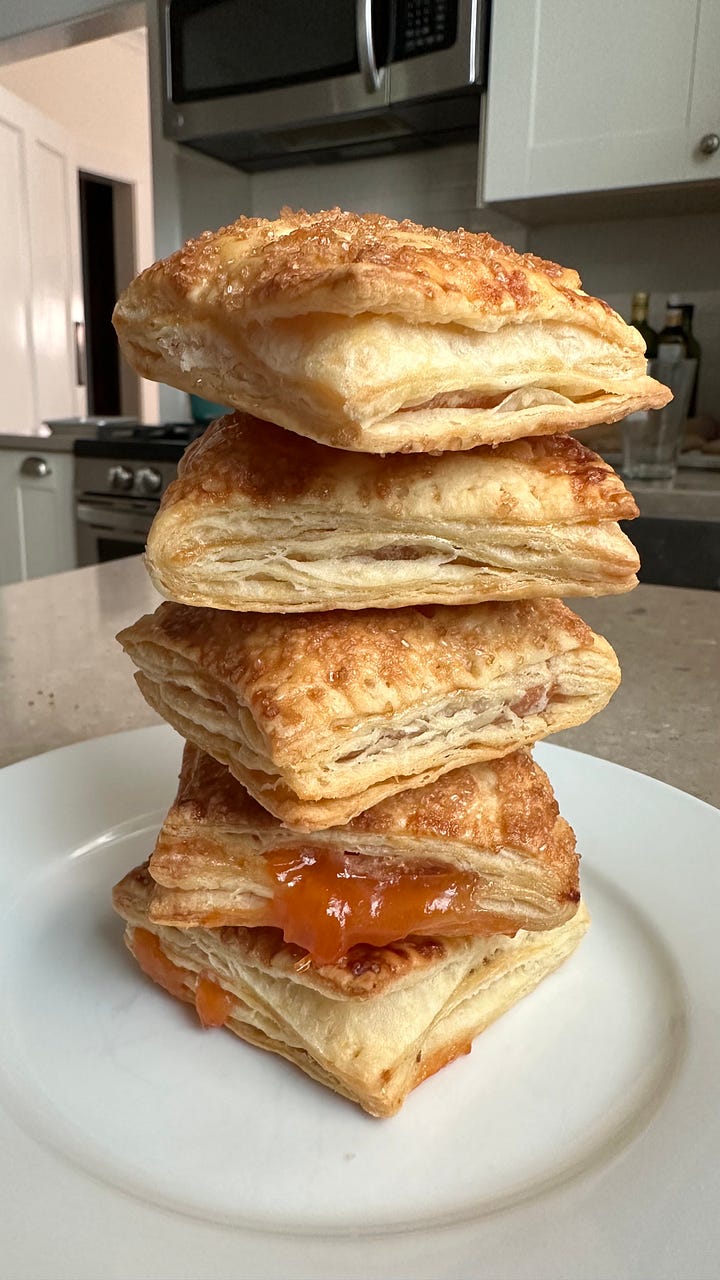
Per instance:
(63,677)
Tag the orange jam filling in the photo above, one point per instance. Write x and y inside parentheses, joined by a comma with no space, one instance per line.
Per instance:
(327,902)
(153,961)
(213,1005)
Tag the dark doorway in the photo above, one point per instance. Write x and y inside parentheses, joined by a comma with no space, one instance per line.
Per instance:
(98,235)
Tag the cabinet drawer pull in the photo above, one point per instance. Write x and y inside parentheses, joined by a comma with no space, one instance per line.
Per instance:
(35,467)
(709,144)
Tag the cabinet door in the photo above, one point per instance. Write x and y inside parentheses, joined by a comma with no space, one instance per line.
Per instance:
(705,102)
(40,271)
(18,384)
(585,96)
(57,298)
(37,528)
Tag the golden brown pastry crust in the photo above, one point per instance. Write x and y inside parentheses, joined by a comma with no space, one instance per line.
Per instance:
(322,716)
(346,263)
(373,1026)
(497,821)
(259,519)
(379,336)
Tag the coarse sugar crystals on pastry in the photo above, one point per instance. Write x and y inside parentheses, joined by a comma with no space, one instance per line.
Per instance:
(371,1027)
(380,336)
(260,519)
(481,850)
(321,716)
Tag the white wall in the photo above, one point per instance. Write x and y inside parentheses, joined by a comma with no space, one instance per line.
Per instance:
(660,255)
(679,254)
(97,91)
(434,187)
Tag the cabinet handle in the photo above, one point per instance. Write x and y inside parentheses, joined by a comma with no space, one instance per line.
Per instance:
(709,144)
(80,355)
(35,467)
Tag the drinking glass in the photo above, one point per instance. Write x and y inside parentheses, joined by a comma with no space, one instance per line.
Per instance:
(652,438)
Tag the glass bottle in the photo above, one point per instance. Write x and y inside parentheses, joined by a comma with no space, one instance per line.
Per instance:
(671,343)
(692,348)
(639,318)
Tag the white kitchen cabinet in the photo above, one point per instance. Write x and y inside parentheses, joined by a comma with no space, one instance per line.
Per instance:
(40,271)
(587,97)
(37,532)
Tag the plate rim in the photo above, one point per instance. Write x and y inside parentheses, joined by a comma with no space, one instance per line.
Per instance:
(385,1237)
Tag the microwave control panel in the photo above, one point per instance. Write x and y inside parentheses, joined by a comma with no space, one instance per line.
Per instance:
(424,26)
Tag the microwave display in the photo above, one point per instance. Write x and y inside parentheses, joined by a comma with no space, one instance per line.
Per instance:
(221,47)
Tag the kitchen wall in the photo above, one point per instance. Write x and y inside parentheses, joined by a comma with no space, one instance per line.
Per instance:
(663,255)
(436,187)
(97,91)
(679,254)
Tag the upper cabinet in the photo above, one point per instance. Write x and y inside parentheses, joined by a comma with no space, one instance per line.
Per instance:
(586,96)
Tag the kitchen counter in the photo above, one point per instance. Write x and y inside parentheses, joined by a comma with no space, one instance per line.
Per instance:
(38,444)
(694,494)
(63,677)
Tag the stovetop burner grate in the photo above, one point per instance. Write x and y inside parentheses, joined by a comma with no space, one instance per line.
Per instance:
(183,432)
(164,443)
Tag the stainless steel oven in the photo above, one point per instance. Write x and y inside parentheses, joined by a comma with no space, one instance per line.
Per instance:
(281,81)
(108,529)
(118,486)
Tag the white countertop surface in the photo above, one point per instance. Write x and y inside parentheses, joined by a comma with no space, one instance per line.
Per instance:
(64,678)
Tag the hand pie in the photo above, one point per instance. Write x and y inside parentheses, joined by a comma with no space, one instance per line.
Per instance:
(372,1027)
(321,716)
(369,334)
(259,519)
(481,850)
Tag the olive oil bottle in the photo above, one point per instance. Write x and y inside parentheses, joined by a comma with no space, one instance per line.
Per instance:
(639,319)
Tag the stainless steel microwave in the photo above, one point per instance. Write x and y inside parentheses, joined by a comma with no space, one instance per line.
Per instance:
(266,83)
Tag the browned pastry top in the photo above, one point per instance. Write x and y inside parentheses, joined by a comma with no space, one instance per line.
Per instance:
(500,804)
(299,673)
(370,262)
(240,459)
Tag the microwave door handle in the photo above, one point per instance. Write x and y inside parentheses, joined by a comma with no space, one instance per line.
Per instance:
(366,48)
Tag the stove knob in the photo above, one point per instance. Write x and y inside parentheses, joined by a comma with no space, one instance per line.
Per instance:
(120,477)
(148,480)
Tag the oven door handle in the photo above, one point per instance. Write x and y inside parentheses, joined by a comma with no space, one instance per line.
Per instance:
(366,48)
(110,518)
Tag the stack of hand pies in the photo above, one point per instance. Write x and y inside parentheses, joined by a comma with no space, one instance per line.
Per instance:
(362,637)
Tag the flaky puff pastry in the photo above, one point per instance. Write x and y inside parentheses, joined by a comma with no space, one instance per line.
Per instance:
(372,1027)
(323,715)
(260,519)
(381,336)
(481,850)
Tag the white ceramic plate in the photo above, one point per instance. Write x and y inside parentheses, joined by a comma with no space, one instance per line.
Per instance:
(579,1139)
